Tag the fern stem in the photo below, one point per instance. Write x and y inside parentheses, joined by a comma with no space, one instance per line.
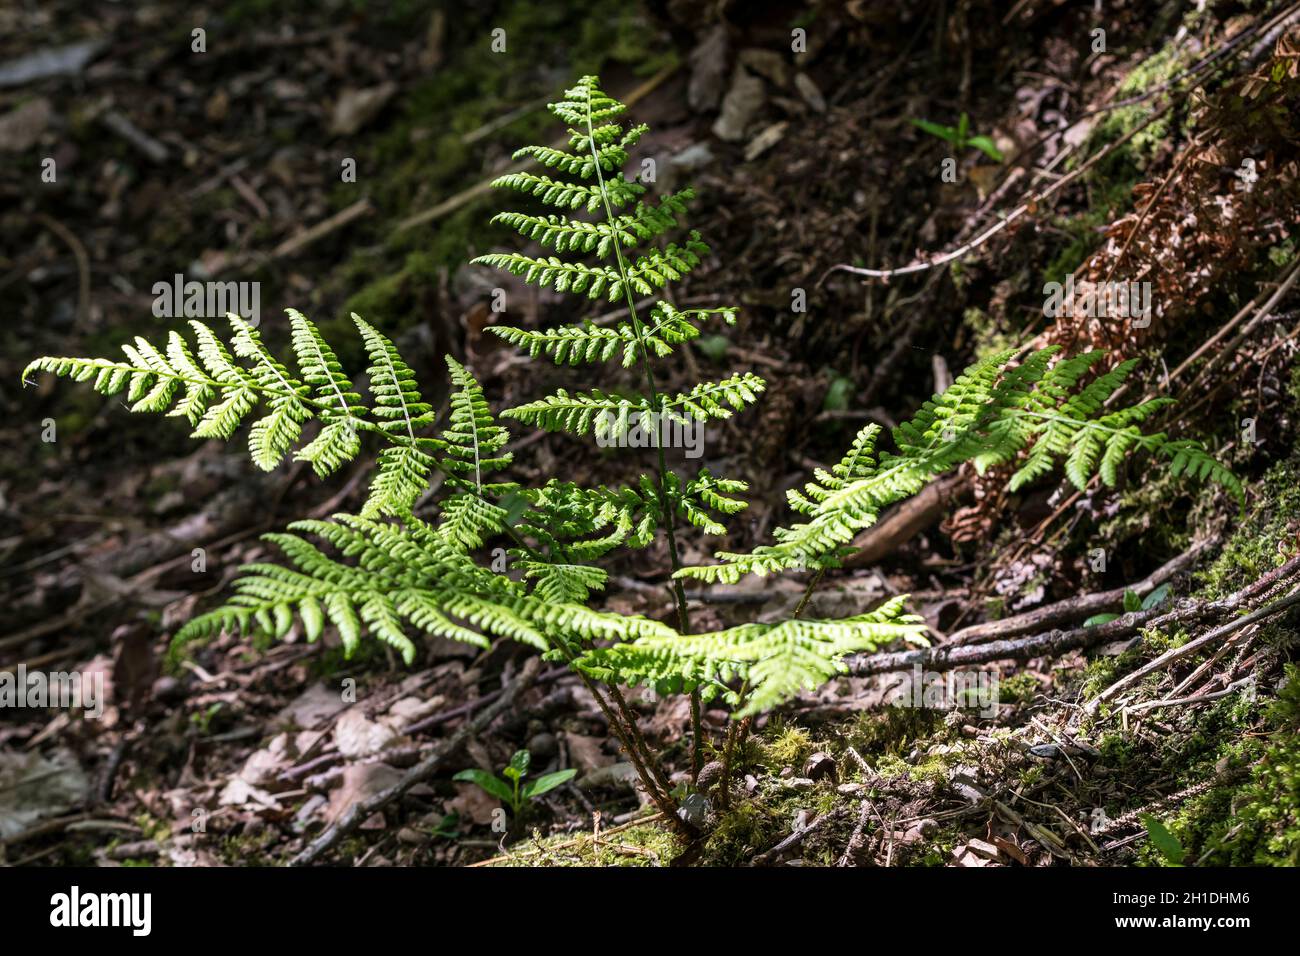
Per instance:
(808,592)
(737,733)
(669,512)
(635,733)
(640,761)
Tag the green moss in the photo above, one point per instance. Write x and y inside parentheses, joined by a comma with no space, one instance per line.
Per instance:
(1134,156)
(1151,519)
(790,748)
(1018,689)
(1264,536)
(252,849)
(933,769)
(152,828)
(641,845)
(891,730)
(892,767)
(744,830)
(1254,823)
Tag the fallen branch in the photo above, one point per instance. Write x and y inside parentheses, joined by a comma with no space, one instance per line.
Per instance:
(1082,606)
(905,521)
(1194,699)
(1191,647)
(1056,642)
(1051,644)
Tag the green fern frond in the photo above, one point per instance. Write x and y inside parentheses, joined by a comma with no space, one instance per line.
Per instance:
(989,415)
(566,195)
(777,661)
(588,342)
(468,520)
(405,466)
(207,386)
(576,413)
(563,583)
(716,399)
(472,438)
(341,409)
(404,579)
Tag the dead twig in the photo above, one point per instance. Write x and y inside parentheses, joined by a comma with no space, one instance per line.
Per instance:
(1191,647)
(1084,605)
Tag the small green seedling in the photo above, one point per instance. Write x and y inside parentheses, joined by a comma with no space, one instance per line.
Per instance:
(959,137)
(448,828)
(509,788)
(1132,603)
(1166,844)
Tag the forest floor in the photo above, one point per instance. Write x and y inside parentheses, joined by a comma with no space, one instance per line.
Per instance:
(1030,734)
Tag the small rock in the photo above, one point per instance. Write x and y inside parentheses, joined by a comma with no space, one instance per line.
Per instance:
(800,783)
(739,106)
(621,775)
(411,836)
(356,108)
(708,69)
(810,93)
(820,765)
(543,746)
(766,63)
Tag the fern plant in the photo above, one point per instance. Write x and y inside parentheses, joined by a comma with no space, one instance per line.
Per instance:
(394,572)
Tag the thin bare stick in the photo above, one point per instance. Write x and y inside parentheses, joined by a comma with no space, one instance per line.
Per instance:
(1191,647)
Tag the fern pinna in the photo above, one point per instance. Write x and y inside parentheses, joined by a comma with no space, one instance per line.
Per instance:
(392,574)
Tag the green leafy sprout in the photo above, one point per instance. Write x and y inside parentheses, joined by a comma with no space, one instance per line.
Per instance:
(959,138)
(510,788)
